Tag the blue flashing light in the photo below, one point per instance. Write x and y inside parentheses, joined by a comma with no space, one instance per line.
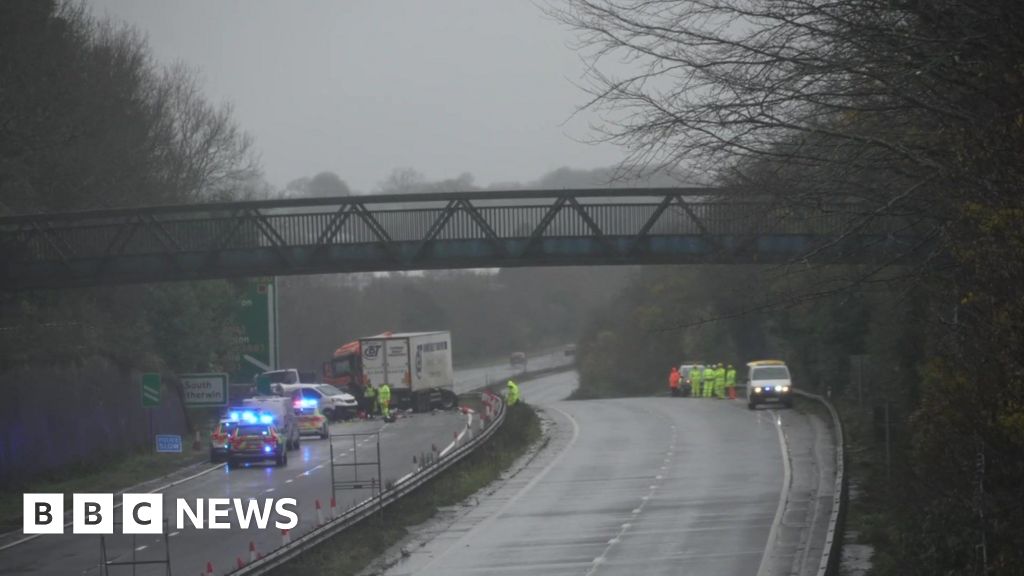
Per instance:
(266,418)
(248,416)
(307,403)
(267,449)
(233,415)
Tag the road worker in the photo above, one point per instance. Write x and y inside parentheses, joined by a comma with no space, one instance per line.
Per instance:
(673,381)
(720,381)
(384,399)
(708,380)
(370,395)
(513,393)
(730,381)
(696,377)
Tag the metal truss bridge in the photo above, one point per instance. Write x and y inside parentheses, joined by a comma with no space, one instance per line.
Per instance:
(447,230)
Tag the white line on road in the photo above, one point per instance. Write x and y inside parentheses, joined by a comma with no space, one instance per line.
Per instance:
(118,505)
(762,569)
(141,548)
(522,491)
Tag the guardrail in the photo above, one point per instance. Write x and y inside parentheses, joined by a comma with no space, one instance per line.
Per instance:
(371,506)
(829,565)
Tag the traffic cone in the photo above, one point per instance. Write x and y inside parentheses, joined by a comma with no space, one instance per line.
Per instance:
(239,563)
(252,551)
(286,538)
(334,508)
(209,567)
(732,392)
(319,514)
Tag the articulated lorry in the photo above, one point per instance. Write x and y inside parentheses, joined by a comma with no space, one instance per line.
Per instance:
(417,366)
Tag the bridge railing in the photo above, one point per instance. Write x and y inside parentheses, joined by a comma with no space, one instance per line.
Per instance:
(616,223)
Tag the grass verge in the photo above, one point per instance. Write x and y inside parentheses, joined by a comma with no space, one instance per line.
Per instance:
(350,551)
(111,473)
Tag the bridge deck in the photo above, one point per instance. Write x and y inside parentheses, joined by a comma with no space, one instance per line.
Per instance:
(453,230)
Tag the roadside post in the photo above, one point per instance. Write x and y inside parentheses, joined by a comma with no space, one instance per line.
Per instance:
(151,389)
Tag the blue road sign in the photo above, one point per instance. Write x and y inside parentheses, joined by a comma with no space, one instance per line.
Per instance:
(168,443)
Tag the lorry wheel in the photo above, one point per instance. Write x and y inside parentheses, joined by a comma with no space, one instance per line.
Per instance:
(447,400)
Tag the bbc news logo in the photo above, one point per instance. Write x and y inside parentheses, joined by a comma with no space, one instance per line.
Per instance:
(144,513)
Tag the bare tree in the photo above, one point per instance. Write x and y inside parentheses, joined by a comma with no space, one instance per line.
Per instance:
(203,153)
(909,108)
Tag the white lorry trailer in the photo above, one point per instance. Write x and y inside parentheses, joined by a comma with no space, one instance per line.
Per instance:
(416,366)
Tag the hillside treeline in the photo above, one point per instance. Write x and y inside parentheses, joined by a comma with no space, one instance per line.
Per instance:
(89,120)
(489,313)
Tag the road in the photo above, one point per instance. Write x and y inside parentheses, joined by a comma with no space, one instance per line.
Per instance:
(306,478)
(469,379)
(630,486)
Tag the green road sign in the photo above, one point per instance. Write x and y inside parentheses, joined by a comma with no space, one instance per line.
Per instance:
(204,389)
(151,389)
(256,329)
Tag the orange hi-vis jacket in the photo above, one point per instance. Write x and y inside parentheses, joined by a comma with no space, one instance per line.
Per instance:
(673,378)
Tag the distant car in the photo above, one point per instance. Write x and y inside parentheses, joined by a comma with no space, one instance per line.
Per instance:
(517,360)
(257,441)
(333,403)
(570,350)
(769,381)
(686,378)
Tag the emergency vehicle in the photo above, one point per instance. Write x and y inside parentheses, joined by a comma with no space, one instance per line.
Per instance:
(254,438)
(310,420)
(280,409)
(768,381)
(219,439)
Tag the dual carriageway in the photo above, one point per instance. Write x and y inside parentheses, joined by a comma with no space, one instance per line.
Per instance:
(625,486)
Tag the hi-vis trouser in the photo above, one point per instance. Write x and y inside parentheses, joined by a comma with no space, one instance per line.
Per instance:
(695,386)
(709,384)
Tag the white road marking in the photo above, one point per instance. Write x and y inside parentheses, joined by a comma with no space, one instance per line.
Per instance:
(174,533)
(522,491)
(118,505)
(269,490)
(141,548)
(762,569)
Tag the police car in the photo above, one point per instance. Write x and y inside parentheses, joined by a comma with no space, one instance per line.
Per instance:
(255,438)
(309,418)
(768,381)
(220,438)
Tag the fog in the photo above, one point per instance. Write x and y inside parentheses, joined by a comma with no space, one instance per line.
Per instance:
(363,87)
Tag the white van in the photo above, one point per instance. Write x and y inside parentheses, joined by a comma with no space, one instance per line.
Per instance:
(768,381)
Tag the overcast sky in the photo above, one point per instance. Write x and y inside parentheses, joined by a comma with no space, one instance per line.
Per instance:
(362,87)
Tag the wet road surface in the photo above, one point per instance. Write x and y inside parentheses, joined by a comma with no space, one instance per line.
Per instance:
(626,486)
